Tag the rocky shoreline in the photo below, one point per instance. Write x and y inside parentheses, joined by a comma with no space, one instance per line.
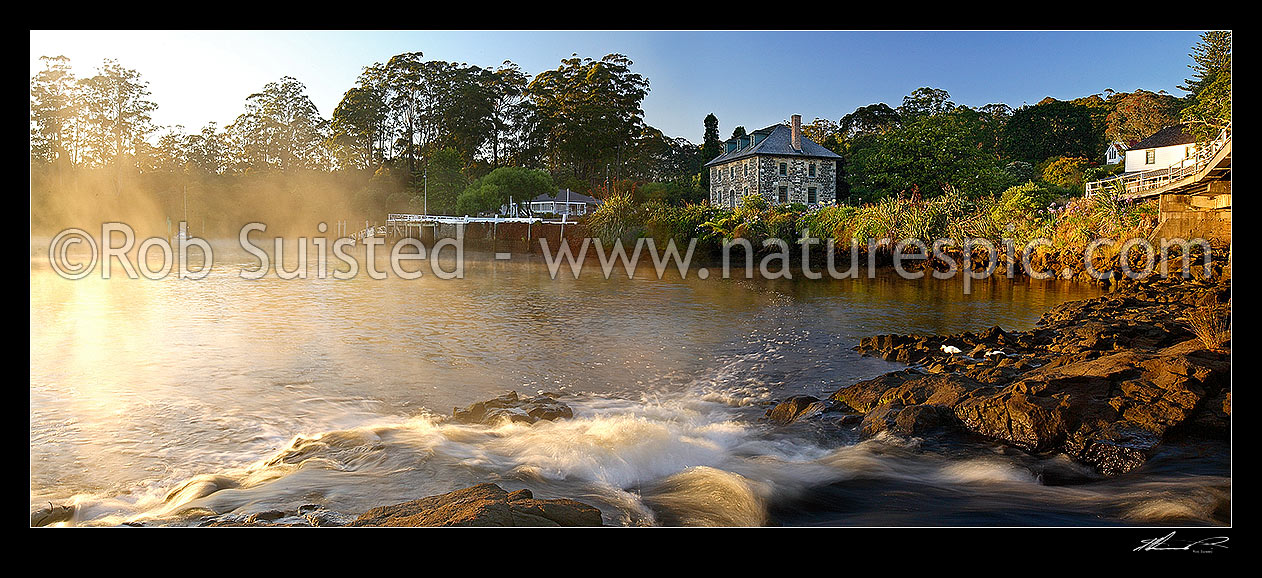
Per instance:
(1104,380)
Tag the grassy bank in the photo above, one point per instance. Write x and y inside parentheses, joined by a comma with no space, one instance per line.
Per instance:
(1059,230)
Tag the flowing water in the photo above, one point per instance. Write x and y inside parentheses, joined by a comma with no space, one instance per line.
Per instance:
(162,401)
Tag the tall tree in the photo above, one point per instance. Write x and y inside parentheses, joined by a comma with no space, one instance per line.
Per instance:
(1052,128)
(117,116)
(711,146)
(924,155)
(587,113)
(281,128)
(925,101)
(1210,108)
(871,119)
(54,109)
(358,125)
(508,92)
(1138,115)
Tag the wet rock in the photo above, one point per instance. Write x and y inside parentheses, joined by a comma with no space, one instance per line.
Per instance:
(514,408)
(51,514)
(268,516)
(482,505)
(1118,448)
(907,387)
(908,420)
(327,518)
(796,408)
(1103,380)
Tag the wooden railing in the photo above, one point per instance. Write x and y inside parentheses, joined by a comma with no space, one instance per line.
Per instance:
(1141,182)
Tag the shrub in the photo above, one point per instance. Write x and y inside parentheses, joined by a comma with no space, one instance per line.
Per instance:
(1211,324)
(1065,172)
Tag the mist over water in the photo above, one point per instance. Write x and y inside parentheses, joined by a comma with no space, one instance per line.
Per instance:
(162,401)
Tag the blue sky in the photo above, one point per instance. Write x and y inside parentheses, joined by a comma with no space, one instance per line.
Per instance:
(752,79)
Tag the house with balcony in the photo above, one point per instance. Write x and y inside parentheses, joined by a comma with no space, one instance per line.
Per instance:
(1168,146)
(779,163)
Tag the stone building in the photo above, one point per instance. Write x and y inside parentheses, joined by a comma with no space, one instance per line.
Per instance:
(777,162)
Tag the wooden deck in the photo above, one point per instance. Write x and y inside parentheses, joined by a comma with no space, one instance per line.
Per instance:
(1210,163)
(407,225)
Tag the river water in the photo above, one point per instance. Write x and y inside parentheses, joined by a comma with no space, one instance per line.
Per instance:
(161,401)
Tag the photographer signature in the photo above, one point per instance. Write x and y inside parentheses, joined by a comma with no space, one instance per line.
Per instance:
(1165,543)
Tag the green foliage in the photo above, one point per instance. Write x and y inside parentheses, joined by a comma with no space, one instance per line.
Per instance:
(1053,128)
(678,222)
(495,190)
(585,112)
(1210,108)
(924,156)
(619,217)
(1106,214)
(1102,172)
(1140,114)
(444,182)
(1019,171)
(1065,172)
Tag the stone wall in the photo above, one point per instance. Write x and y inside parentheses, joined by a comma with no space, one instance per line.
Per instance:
(761,175)
(1205,215)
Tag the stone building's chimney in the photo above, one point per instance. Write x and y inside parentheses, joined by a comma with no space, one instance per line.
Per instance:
(797,132)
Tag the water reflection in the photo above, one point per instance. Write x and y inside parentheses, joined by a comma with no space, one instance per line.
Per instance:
(138,385)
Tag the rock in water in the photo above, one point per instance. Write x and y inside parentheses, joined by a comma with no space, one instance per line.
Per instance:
(795,408)
(1103,380)
(482,505)
(51,515)
(513,408)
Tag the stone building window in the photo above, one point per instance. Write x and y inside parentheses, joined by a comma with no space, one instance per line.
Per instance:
(783,196)
(811,197)
(784,169)
(812,169)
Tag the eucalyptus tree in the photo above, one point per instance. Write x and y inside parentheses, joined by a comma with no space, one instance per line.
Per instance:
(359,122)
(281,128)
(116,113)
(55,105)
(587,112)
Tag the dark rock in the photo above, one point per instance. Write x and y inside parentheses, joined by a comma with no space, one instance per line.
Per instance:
(908,420)
(51,515)
(482,505)
(267,516)
(1104,380)
(795,408)
(513,408)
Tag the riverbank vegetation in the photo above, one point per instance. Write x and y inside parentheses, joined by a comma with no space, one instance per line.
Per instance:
(414,134)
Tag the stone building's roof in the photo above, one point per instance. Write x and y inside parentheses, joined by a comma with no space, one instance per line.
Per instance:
(776,140)
(1166,137)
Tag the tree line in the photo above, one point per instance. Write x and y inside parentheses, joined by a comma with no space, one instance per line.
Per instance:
(414,132)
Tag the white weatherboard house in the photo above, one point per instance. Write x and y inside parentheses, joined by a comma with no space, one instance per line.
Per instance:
(565,202)
(1168,146)
(1115,153)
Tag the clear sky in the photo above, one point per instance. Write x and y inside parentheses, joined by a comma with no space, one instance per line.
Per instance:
(752,79)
